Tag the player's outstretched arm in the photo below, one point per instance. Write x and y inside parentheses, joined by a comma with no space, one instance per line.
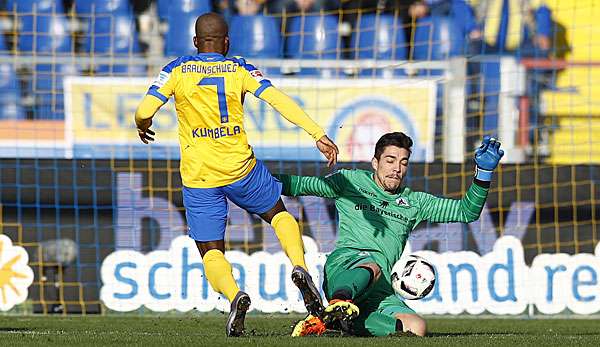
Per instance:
(291,111)
(257,84)
(330,186)
(468,209)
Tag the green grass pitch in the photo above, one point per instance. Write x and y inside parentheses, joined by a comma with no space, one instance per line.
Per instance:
(273,330)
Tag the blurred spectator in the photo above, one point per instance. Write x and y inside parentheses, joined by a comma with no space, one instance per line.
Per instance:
(424,8)
(398,7)
(305,5)
(223,7)
(352,9)
(66,4)
(248,7)
(140,6)
(458,9)
(296,6)
(521,26)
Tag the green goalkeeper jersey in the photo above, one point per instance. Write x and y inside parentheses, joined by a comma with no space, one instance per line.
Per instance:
(374,220)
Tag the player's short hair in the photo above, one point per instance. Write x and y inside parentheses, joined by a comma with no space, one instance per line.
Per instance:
(211,26)
(398,139)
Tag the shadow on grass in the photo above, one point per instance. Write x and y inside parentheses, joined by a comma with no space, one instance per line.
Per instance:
(328,333)
(339,334)
(438,334)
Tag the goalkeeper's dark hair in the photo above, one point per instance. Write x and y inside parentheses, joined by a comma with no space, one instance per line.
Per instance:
(398,139)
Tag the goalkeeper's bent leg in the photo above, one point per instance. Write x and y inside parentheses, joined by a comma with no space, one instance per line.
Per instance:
(218,272)
(351,283)
(288,232)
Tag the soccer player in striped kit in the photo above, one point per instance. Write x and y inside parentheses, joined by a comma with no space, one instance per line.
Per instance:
(376,214)
(217,163)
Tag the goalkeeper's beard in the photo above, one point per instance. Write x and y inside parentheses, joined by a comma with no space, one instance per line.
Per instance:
(389,183)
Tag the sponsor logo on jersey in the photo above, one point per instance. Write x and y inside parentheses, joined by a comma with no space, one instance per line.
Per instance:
(258,76)
(402,202)
(383,204)
(364,191)
(380,211)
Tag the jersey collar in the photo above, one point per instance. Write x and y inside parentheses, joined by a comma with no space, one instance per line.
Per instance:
(210,56)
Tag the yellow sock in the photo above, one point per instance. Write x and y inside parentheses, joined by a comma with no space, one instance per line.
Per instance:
(218,272)
(288,233)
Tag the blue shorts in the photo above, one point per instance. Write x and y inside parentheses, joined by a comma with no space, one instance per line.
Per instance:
(206,208)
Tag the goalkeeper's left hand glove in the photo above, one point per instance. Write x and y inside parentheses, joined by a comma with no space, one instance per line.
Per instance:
(487,157)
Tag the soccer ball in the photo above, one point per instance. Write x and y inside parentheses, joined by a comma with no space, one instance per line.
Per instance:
(413,277)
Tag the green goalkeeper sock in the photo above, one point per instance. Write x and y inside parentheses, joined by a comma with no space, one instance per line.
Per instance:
(355,282)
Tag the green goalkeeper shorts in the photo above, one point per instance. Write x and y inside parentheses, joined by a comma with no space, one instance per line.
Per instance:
(379,304)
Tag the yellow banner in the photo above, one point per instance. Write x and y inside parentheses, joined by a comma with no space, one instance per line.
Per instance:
(354,112)
(101,110)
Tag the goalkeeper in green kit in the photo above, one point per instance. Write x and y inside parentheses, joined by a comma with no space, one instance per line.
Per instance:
(376,215)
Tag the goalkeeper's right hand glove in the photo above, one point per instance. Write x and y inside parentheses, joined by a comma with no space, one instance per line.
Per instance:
(487,157)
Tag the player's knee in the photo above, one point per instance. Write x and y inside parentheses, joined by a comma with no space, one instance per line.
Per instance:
(418,326)
(275,212)
(204,247)
(374,268)
(411,323)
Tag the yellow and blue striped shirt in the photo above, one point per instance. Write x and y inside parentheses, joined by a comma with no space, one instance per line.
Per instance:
(209,92)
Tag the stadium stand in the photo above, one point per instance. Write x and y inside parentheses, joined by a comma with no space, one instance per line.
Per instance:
(437,38)
(255,36)
(313,37)
(162,7)
(44,31)
(181,16)
(10,105)
(42,27)
(111,32)
(379,37)
(91,7)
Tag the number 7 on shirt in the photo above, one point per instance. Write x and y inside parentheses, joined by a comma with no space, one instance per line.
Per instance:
(219,82)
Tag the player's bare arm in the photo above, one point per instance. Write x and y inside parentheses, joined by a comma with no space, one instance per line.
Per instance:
(329,150)
(143,117)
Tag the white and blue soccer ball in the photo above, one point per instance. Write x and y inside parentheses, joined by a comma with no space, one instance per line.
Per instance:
(413,277)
